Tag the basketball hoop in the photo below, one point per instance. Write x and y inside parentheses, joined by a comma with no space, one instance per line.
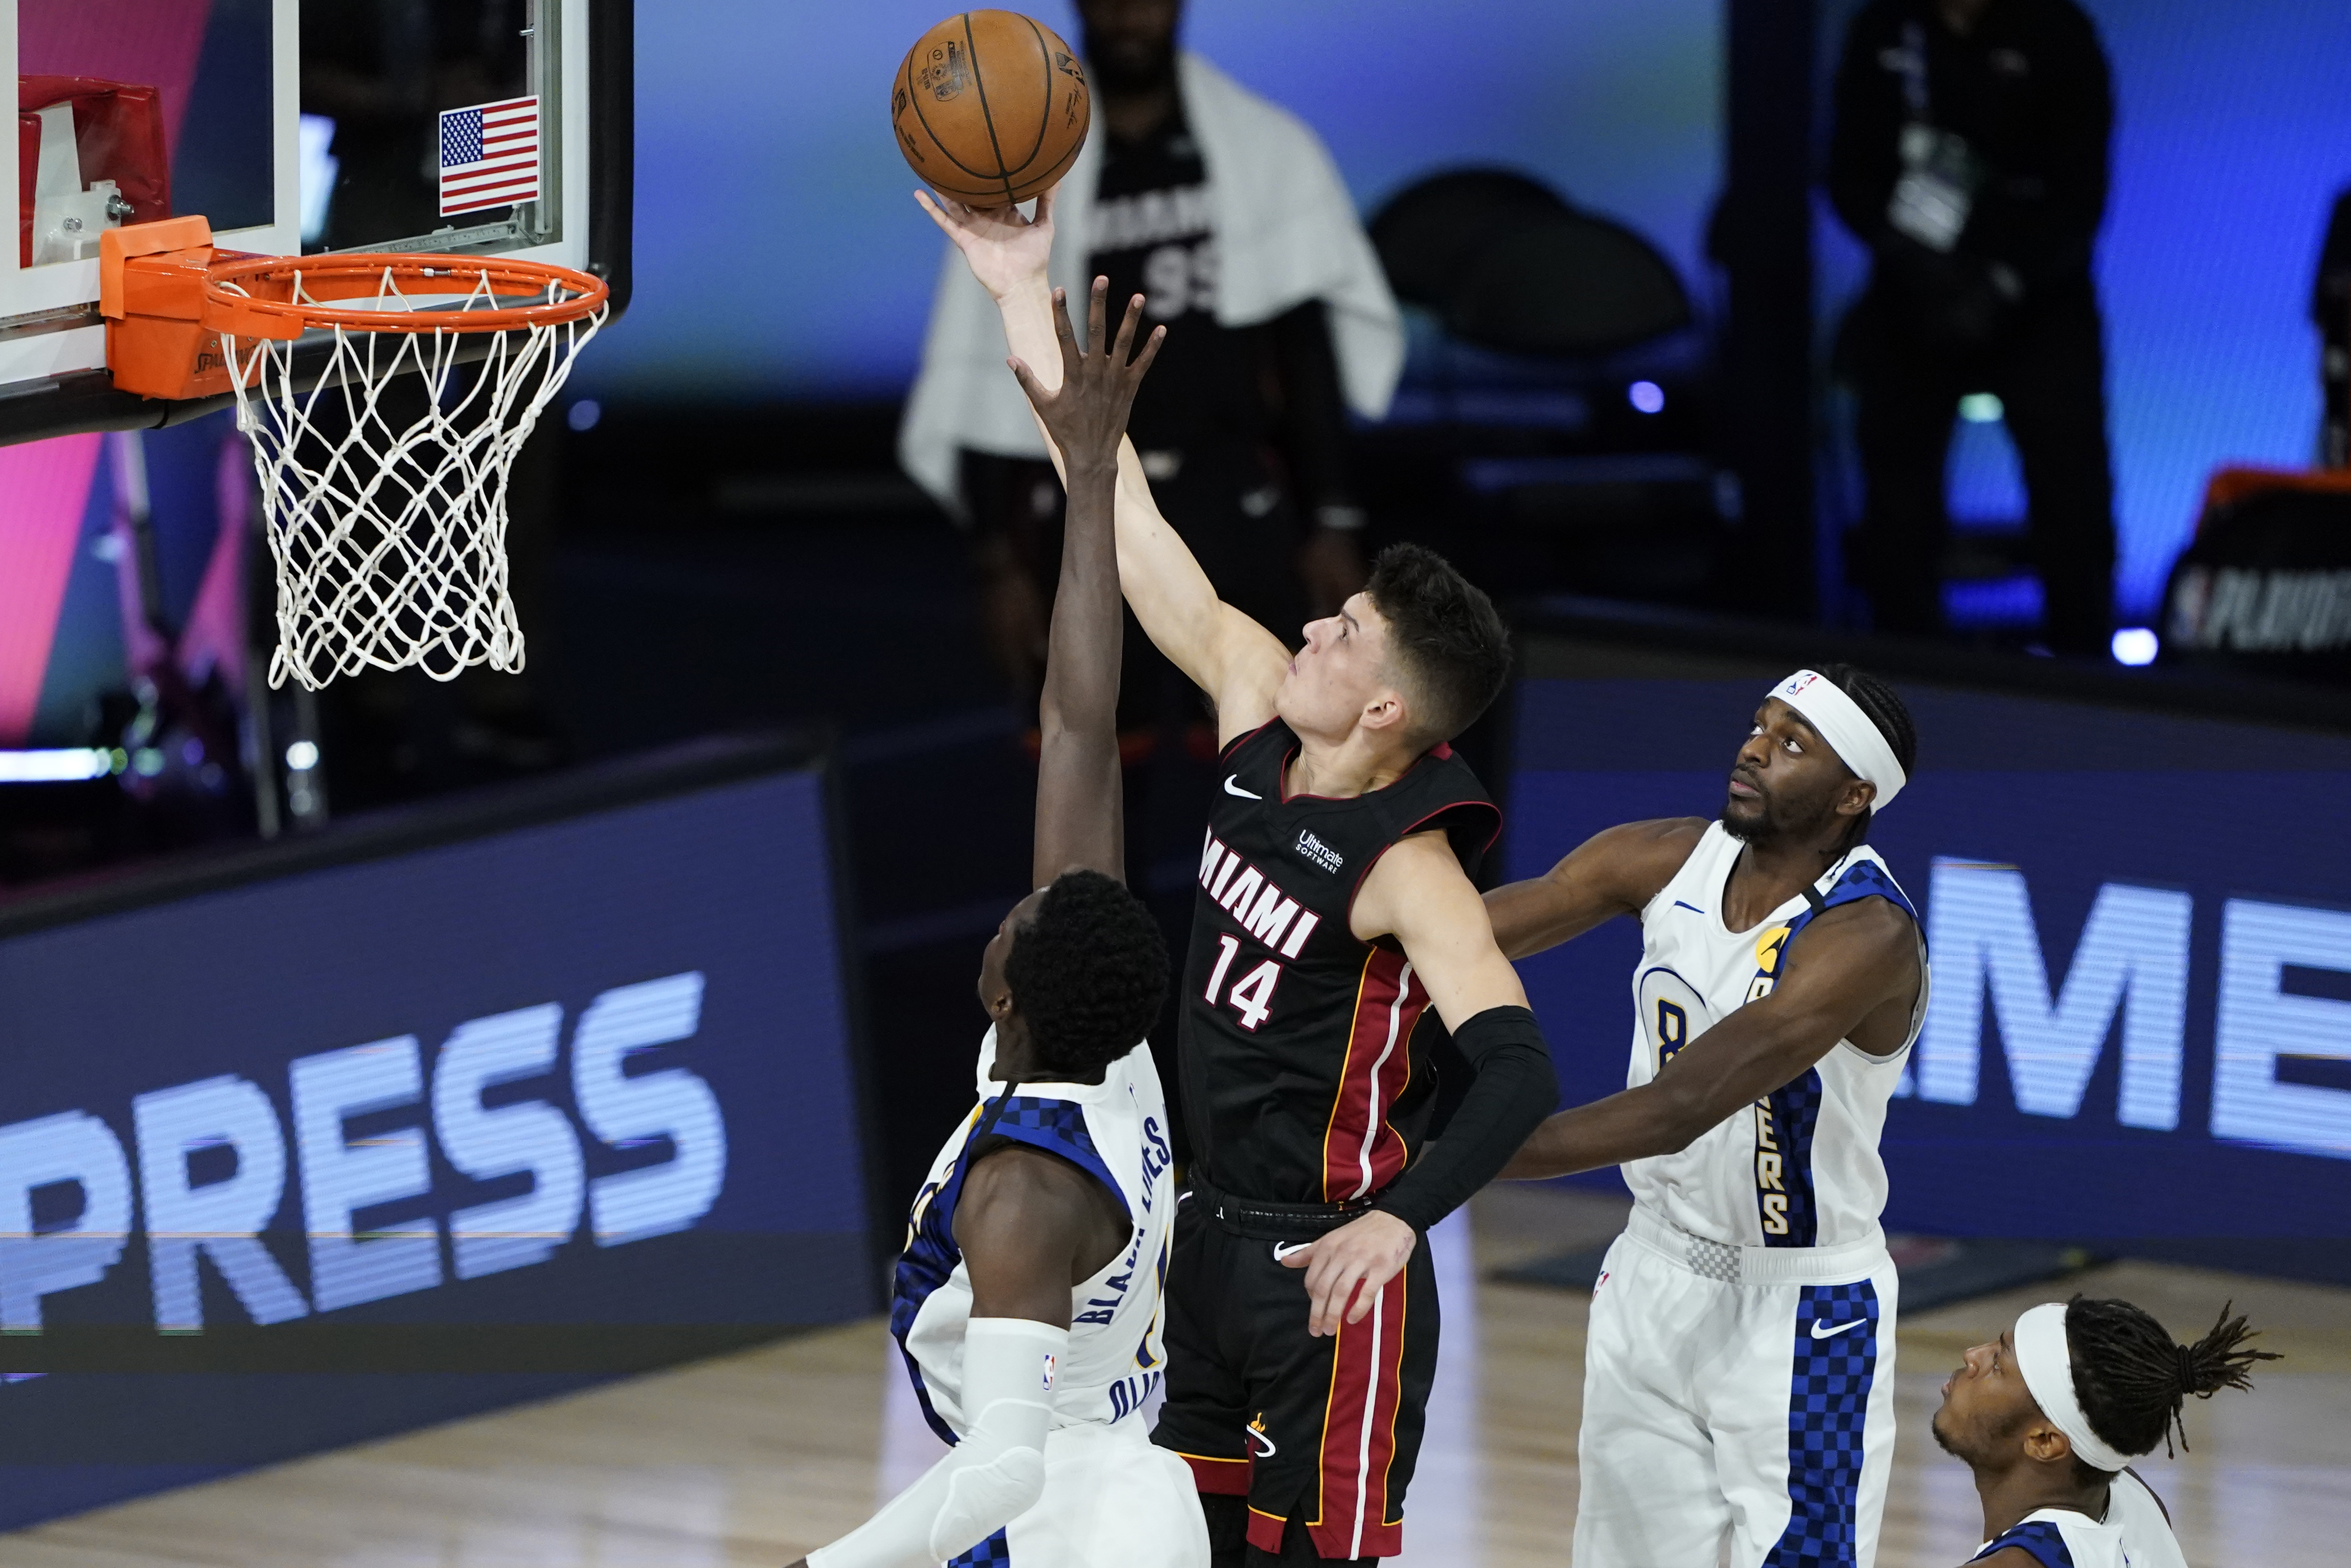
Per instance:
(387,524)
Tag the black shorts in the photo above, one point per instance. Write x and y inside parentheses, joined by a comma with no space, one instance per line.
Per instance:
(1321,1431)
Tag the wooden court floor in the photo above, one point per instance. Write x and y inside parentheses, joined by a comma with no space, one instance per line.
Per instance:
(745,1461)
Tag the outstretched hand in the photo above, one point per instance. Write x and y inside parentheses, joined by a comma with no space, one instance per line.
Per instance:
(1087,416)
(1005,249)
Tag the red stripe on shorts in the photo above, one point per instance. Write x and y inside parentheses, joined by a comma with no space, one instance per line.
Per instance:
(1265,1532)
(1361,1153)
(1218,1478)
(1359,1434)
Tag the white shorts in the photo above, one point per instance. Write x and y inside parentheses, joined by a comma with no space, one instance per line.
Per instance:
(1112,1501)
(1738,1396)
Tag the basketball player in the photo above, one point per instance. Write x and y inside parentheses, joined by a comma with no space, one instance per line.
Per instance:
(2050,1415)
(1737,1381)
(1027,1302)
(1335,906)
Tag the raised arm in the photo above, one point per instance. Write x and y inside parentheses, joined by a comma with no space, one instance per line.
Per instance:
(1230,657)
(1615,871)
(1080,798)
(1846,965)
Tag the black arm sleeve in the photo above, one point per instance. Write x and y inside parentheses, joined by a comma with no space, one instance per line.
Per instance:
(1513,1090)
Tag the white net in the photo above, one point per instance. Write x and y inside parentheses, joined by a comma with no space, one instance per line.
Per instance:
(383,487)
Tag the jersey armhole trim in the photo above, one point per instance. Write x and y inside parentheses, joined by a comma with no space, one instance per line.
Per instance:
(1892,896)
(1403,833)
(1077,1153)
(2160,1506)
(2036,1538)
(1100,1177)
(1234,744)
(1641,915)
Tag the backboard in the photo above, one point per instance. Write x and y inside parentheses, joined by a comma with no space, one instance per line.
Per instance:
(497,127)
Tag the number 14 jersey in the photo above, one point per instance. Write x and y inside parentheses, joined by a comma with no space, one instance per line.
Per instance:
(1302,1078)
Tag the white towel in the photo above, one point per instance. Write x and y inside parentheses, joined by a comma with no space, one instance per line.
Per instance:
(1286,233)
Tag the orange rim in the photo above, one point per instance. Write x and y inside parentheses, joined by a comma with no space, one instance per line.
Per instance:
(264,292)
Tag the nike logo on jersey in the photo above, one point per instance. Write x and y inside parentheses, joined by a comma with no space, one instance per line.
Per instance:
(1284,1248)
(1232,786)
(1822,1330)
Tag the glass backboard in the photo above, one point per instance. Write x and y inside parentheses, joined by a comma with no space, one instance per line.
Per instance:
(470,126)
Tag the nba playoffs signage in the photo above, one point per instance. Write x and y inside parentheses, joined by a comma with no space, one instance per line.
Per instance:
(354,1147)
(2140,928)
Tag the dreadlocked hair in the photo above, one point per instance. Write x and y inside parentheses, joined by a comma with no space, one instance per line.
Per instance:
(1088,972)
(2132,1379)
(1886,710)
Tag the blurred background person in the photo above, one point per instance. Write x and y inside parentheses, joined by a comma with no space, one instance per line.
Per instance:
(1970,153)
(2330,312)
(1227,213)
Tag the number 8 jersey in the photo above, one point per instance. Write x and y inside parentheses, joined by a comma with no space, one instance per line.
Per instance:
(1302,1078)
(1799,1168)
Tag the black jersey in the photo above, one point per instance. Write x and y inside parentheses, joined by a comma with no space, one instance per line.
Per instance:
(1302,1078)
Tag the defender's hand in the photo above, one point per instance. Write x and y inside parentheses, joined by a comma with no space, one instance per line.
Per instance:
(1087,417)
(1005,249)
(1367,1253)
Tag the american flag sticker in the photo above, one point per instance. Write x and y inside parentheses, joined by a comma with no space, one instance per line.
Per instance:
(489,156)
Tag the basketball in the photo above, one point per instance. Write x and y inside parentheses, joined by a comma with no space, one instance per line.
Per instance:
(990,108)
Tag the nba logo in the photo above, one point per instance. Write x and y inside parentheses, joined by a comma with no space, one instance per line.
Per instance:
(1049,1374)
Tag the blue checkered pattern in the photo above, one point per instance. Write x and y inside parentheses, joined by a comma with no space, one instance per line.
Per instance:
(1796,1107)
(2040,1538)
(993,1553)
(461,137)
(931,1254)
(1828,1408)
(1795,1115)
(1867,879)
(1058,1126)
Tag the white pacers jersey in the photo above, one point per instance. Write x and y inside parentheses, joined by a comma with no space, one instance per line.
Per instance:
(1799,1168)
(1115,1130)
(2134,1534)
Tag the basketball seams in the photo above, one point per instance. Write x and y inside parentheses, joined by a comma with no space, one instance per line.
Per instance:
(979,85)
(916,99)
(1062,166)
(1045,117)
(1045,163)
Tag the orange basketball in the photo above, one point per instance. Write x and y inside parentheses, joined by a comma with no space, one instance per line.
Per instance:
(990,108)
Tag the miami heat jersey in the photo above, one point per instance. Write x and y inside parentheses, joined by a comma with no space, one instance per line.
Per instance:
(2134,1534)
(1303,1080)
(1799,1168)
(1117,1132)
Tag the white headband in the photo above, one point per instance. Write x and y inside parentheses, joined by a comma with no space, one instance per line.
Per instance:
(1850,732)
(2045,1357)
